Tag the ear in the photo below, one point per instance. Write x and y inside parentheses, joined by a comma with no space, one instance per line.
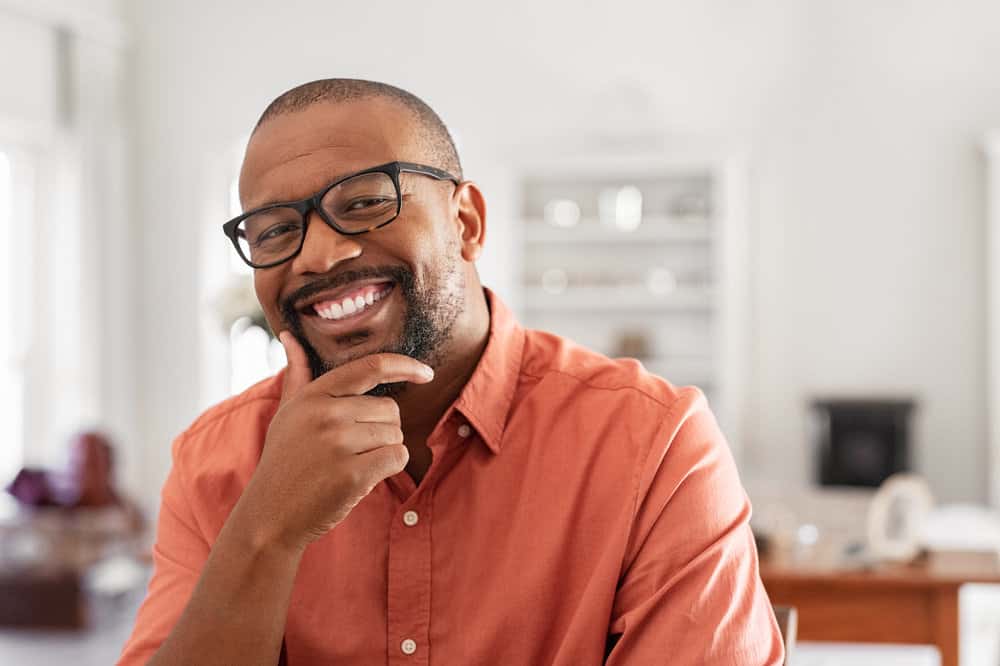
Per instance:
(471,218)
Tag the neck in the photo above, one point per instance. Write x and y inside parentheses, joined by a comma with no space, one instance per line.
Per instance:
(421,406)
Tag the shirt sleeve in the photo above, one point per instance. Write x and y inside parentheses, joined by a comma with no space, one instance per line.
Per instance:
(179,554)
(690,592)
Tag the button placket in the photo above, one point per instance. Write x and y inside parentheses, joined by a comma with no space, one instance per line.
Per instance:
(409,583)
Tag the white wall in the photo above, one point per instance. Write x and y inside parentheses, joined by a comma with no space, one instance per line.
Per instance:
(863,124)
(27,63)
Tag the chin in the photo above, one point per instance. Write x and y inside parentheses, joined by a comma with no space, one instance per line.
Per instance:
(332,354)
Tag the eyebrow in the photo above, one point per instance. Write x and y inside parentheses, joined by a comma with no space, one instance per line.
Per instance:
(326,183)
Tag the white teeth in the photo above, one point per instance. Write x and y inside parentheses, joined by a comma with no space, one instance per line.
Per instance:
(350,306)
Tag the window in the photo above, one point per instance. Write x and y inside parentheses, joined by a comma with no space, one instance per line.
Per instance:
(253,354)
(237,350)
(15,238)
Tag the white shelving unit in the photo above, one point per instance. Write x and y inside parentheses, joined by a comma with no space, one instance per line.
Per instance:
(670,290)
(654,229)
(631,298)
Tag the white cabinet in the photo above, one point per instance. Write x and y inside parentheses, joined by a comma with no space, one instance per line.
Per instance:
(644,257)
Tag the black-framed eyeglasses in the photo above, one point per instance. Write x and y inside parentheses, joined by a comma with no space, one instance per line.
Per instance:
(353,205)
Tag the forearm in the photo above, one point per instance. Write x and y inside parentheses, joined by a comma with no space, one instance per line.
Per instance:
(236,614)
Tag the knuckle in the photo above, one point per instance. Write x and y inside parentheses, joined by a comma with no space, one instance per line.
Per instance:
(335,411)
(340,441)
(391,407)
(375,362)
(326,421)
(397,456)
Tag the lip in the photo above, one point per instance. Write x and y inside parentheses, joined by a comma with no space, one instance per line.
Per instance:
(305,306)
(339,327)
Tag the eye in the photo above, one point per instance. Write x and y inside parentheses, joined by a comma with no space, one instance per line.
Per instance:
(367,202)
(277,231)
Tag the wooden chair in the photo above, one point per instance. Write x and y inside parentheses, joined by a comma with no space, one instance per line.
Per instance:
(788,623)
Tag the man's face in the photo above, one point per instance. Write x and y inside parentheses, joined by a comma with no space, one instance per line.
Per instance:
(399,288)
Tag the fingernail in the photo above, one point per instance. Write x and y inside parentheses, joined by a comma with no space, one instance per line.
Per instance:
(428,371)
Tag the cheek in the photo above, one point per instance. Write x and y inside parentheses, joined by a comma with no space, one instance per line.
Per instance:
(434,231)
(267,288)
(415,240)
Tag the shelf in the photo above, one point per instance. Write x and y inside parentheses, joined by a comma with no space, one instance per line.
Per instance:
(616,299)
(694,203)
(652,230)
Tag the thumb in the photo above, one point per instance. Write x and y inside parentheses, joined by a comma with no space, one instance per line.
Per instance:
(297,374)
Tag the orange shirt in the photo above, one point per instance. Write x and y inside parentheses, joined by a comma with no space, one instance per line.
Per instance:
(575,506)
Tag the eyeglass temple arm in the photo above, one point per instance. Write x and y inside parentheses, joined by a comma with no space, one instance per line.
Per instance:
(440,174)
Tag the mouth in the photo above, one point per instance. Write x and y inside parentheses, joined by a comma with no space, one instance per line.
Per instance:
(339,312)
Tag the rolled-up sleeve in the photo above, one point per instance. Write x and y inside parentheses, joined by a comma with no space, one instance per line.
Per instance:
(690,592)
(179,555)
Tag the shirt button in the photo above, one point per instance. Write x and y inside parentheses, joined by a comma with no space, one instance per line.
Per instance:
(464,430)
(410,518)
(409,646)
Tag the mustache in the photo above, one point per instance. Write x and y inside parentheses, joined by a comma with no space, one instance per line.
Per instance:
(398,274)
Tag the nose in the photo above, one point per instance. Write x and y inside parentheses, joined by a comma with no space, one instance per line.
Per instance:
(323,248)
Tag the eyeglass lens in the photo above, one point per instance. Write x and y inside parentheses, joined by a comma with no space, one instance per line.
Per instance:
(358,204)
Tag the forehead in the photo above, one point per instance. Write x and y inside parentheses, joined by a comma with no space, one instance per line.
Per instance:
(294,154)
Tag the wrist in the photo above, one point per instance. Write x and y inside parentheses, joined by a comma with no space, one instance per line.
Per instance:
(261,534)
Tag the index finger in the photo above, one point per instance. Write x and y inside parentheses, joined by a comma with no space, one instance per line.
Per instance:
(297,375)
(361,375)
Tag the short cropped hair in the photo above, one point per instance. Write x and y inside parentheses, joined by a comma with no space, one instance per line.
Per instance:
(432,131)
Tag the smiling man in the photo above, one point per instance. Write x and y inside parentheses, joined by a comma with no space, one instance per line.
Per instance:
(427,482)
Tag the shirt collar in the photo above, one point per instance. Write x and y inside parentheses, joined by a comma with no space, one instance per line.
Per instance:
(486,399)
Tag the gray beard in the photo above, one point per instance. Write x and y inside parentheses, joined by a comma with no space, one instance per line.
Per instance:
(429,318)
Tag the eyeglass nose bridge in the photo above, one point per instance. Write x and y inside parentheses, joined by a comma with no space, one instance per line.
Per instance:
(305,208)
(314,203)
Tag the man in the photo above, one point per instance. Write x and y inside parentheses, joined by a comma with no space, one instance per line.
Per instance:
(427,482)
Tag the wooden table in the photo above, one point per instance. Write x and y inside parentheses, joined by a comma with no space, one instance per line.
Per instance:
(915,603)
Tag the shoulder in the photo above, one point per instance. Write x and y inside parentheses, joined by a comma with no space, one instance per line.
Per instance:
(561,363)
(601,404)
(214,458)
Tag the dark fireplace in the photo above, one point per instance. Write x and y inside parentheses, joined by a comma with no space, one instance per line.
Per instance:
(860,442)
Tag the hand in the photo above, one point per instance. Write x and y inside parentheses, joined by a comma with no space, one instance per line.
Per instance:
(329,444)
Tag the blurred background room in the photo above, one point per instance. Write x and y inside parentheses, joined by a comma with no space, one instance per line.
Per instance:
(791,204)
